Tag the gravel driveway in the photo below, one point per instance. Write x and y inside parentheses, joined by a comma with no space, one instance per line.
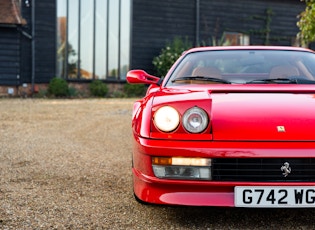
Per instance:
(65,164)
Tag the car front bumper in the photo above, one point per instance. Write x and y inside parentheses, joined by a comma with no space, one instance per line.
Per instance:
(151,189)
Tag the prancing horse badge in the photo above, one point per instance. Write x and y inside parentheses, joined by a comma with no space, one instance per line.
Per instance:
(286,169)
(281,129)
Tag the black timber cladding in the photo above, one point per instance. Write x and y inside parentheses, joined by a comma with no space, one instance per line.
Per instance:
(9,56)
(153,24)
(26,48)
(267,22)
(16,53)
(45,41)
(156,22)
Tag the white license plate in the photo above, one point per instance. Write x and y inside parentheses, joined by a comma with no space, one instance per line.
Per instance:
(274,196)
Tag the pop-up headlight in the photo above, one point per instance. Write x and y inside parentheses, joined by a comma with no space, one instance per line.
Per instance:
(166,119)
(195,120)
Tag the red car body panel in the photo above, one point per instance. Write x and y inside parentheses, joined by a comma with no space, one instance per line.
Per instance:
(243,123)
(151,189)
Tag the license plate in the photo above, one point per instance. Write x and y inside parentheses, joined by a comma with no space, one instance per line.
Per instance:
(274,197)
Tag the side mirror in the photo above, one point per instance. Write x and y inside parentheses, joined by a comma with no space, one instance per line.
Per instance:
(141,77)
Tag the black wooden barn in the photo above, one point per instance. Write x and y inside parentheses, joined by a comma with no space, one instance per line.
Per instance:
(24,56)
(84,40)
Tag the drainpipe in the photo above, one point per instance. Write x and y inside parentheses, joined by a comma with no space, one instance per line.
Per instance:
(33,46)
(197,22)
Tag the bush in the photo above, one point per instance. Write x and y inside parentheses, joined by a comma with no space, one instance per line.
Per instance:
(170,54)
(98,88)
(134,90)
(58,87)
(73,92)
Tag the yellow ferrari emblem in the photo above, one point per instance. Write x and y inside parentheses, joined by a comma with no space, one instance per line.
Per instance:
(280,129)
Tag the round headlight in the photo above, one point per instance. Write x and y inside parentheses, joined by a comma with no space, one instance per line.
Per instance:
(166,119)
(195,120)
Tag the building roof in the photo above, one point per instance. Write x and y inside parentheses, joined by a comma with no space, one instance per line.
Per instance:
(10,13)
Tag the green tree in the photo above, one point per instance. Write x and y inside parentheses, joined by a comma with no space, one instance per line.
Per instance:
(306,23)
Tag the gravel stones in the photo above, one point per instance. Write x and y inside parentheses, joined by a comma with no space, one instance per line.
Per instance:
(66,164)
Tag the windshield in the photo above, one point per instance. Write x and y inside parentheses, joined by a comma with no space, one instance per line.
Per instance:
(245,67)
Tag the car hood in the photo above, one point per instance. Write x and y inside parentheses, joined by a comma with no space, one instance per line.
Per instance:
(265,116)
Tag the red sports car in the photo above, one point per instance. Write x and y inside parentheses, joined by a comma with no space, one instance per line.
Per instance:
(228,126)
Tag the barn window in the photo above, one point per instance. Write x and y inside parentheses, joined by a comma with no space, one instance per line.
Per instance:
(93,39)
(236,39)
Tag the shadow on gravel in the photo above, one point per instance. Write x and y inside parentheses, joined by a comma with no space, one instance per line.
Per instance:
(241,218)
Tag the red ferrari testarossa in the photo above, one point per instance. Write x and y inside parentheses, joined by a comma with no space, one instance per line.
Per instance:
(227,126)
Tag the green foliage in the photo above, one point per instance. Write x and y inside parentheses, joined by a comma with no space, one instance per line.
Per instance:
(170,54)
(58,87)
(134,90)
(73,92)
(306,23)
(98,88)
